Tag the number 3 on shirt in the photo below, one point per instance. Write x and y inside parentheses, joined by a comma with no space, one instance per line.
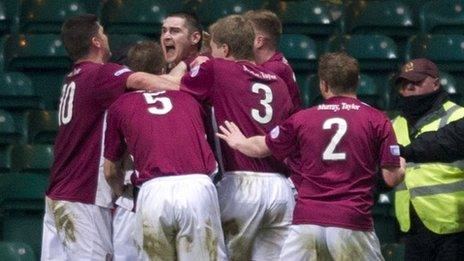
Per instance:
(256,87)
(66,103)
(165,103)
(342,126)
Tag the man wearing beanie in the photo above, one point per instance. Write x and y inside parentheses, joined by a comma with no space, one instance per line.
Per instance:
(428,204)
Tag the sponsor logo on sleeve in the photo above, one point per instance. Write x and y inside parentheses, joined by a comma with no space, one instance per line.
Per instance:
(123,70)
(395,150)
(194,71)
(275,132)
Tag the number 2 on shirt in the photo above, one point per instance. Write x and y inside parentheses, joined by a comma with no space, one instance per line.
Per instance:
(329,152)
(256,87)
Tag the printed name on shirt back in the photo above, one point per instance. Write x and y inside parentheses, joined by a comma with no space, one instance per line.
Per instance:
(262,75)
(76,71)
(337,107)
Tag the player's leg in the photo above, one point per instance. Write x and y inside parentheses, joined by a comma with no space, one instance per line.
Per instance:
(242,209)
(52,247)
(276,222)
(305,242)
(347,244)
(124,245)
(200,235)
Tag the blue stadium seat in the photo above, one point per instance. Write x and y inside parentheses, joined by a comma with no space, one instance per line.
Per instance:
(47,16)
(137,17)
(16,251)
(300,51)
(17,93)
(442,17)
(446,50)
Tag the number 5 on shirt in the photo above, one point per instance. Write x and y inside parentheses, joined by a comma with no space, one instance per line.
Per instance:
(165,103)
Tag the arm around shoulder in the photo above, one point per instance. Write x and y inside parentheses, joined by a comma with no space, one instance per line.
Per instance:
(151,82)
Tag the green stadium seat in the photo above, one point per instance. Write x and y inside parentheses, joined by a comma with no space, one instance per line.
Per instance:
(300,51)
(42,126)
(43,58)
(137,17)
(309,88)
(5,158)
(47,16)
(369,92)
(211,10)
(36,158)
(384,219)
(309,17)
(9,132)
(17,93)
(16,251)
(392,18)
(442,17)
(393,252)
(22,207)
(445,50)
(121,43)
(449,83)
(5,21)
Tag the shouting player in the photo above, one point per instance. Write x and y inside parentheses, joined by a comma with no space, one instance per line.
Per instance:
(340,143)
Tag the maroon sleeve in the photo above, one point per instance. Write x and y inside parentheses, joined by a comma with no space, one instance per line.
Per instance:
(114,139)
(199,81)
(111,83)
(389,149)
(282,140)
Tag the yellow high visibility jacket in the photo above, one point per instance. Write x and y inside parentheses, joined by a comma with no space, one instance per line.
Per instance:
(436,190)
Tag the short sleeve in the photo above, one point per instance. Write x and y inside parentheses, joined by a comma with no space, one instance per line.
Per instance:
(111,83)
(389,149)
(282,140)
(114,139)
(199,81)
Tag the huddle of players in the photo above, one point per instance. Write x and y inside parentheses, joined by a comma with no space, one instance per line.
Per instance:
(333,151)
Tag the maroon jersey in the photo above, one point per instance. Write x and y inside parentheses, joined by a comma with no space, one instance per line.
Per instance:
(341,143)
(77,172)
(279,65)
(252,97)
(164,133)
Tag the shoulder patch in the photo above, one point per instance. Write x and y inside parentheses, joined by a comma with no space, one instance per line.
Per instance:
(194,71)
(395,150)
(275,132)
(121,71)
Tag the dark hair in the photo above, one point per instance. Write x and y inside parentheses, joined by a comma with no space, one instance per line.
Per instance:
(237,33)
(268,23)
(340,71)
(76,34)
(191,22)
(146,56)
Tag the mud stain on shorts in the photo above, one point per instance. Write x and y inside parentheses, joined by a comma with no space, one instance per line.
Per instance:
(211,241)
(64,221)
(239,248)
(158,246)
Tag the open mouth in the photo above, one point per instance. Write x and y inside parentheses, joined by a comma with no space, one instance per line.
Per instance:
(170,49)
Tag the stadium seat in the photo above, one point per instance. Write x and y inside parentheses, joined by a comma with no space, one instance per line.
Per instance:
(393,252)
(17,93)
(384,219)
(42,126)
(22,207)
(210,10)
(16,251)
(5,159)
(369,92)
(300,51)
(309,88)
(4,19)
(43,58)
(309,17)
(47,16)
(442,17)
(392,18)
(446,50)
(137,17)
(36,158)
(449,83)
(9,132)
(120,44)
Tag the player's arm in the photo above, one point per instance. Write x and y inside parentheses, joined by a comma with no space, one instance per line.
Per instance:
(394,175)
(151,82)
(114,176)
(252,147)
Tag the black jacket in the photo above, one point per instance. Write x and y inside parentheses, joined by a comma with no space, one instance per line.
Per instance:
(443,145)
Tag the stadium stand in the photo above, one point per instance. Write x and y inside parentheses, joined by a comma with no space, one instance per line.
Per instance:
(42,126)
(16,251)
(36,158)
(300,51)
(442,17)
(17,93)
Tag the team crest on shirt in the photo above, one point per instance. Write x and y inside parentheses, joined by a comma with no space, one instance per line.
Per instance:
(395,150)
(275,132)
(194,71)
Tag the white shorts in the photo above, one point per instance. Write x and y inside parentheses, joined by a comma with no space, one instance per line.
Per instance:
(76,231)
(256,213)
(125,248)
(312,242)
(178,218)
